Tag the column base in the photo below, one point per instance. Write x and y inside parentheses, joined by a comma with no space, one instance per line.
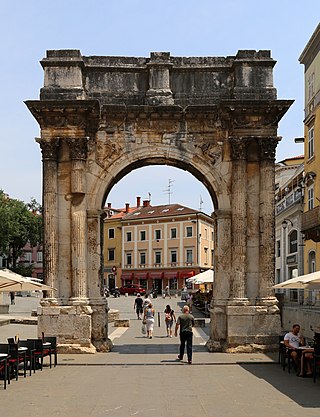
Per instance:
(241,327)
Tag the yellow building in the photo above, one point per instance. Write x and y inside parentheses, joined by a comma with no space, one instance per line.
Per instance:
(160,245)
(310,57)
(112,243)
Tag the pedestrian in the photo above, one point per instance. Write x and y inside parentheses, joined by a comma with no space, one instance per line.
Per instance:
(12,297)
(138,303)
(167,291)
(148,319)
(185,322)
(146,301)
(189,302)
(169,318)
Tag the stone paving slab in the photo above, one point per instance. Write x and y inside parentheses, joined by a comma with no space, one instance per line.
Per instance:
(141,377)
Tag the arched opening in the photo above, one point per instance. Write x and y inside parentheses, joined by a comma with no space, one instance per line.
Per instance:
(161,239)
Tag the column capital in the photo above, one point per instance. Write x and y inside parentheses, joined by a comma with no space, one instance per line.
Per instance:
(268,147)
(238,147)
(49,148)
(78,148)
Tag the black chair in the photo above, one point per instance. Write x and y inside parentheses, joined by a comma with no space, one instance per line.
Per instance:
(282,349)
(29,354)
(40,352)
(53,341)
(316,356)
(16,358)
(4,371)
(4,365)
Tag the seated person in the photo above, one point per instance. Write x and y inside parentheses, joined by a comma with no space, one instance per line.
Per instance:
(292,341)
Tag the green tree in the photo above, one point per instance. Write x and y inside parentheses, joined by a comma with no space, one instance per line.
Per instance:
(20,223)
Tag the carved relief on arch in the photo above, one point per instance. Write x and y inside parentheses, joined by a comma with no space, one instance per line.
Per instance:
(268,147)
(49,148)
(211,151)
(107,150)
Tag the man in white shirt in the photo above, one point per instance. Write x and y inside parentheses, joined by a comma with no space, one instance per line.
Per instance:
(292,341)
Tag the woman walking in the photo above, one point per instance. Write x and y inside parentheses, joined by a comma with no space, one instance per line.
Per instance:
(169,318)
(148,318)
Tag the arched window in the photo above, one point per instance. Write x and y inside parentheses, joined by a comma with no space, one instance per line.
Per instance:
(312,261)
(293,241)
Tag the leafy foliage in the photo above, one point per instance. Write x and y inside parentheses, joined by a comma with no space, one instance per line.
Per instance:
(20,223)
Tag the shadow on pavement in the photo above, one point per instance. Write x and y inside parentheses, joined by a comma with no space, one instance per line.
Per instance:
(301,390)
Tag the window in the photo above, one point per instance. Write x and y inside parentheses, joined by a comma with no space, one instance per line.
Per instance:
(173,233)
(129,236)
(278,249)
(311,197)
(158,257)
(129,258)
(111,233)
(142,258)
(311,142)
(28,256)
(157,234)
(173,256)
(111,256)
(206,233)
(189,231)
(173,284)
(293,242)
(39,257)
(312,261)
(189,256)
(143,235)
(206,256)
(310,86)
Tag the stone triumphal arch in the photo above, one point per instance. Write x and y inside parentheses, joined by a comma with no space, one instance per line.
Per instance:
(216,117)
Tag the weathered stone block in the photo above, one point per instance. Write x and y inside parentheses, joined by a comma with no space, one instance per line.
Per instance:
(121,323)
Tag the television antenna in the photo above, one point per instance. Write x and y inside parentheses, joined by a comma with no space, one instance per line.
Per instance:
(169,189)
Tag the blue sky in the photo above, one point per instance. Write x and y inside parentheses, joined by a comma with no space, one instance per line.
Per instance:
(135,28)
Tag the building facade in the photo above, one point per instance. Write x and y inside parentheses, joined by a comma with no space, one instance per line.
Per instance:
(160,245)
(288,237)
(310,58)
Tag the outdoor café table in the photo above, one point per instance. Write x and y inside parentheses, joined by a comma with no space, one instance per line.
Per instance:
(304,350)
(3,358)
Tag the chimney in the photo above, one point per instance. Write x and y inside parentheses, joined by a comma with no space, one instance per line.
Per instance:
(146,203)
(109,205)
(127,207)
(138,201)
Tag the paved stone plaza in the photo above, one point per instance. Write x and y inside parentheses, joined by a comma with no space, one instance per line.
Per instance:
(141,377)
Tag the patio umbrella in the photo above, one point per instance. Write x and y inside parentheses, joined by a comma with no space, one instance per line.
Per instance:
(10,281)
(205,277)
(308,281)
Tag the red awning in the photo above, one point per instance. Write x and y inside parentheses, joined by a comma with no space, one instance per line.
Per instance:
(156,275)
(171,274)
(127,275)
(186,274)
(141,275)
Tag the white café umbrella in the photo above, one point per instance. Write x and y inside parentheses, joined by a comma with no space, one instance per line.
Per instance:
(308,281)
(205,277)
(12,282)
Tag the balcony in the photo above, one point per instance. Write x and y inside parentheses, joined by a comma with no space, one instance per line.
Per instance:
(310,226)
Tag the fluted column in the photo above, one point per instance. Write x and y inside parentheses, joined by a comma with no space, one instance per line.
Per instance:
(78,154)
(49,149)
(239,217)
(222,278)
(267,221)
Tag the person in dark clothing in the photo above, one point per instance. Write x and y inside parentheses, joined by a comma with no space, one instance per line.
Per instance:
(185,322)
(138,302)
(12,298)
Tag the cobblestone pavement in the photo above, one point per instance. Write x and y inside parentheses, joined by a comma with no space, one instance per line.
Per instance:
(141,377)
